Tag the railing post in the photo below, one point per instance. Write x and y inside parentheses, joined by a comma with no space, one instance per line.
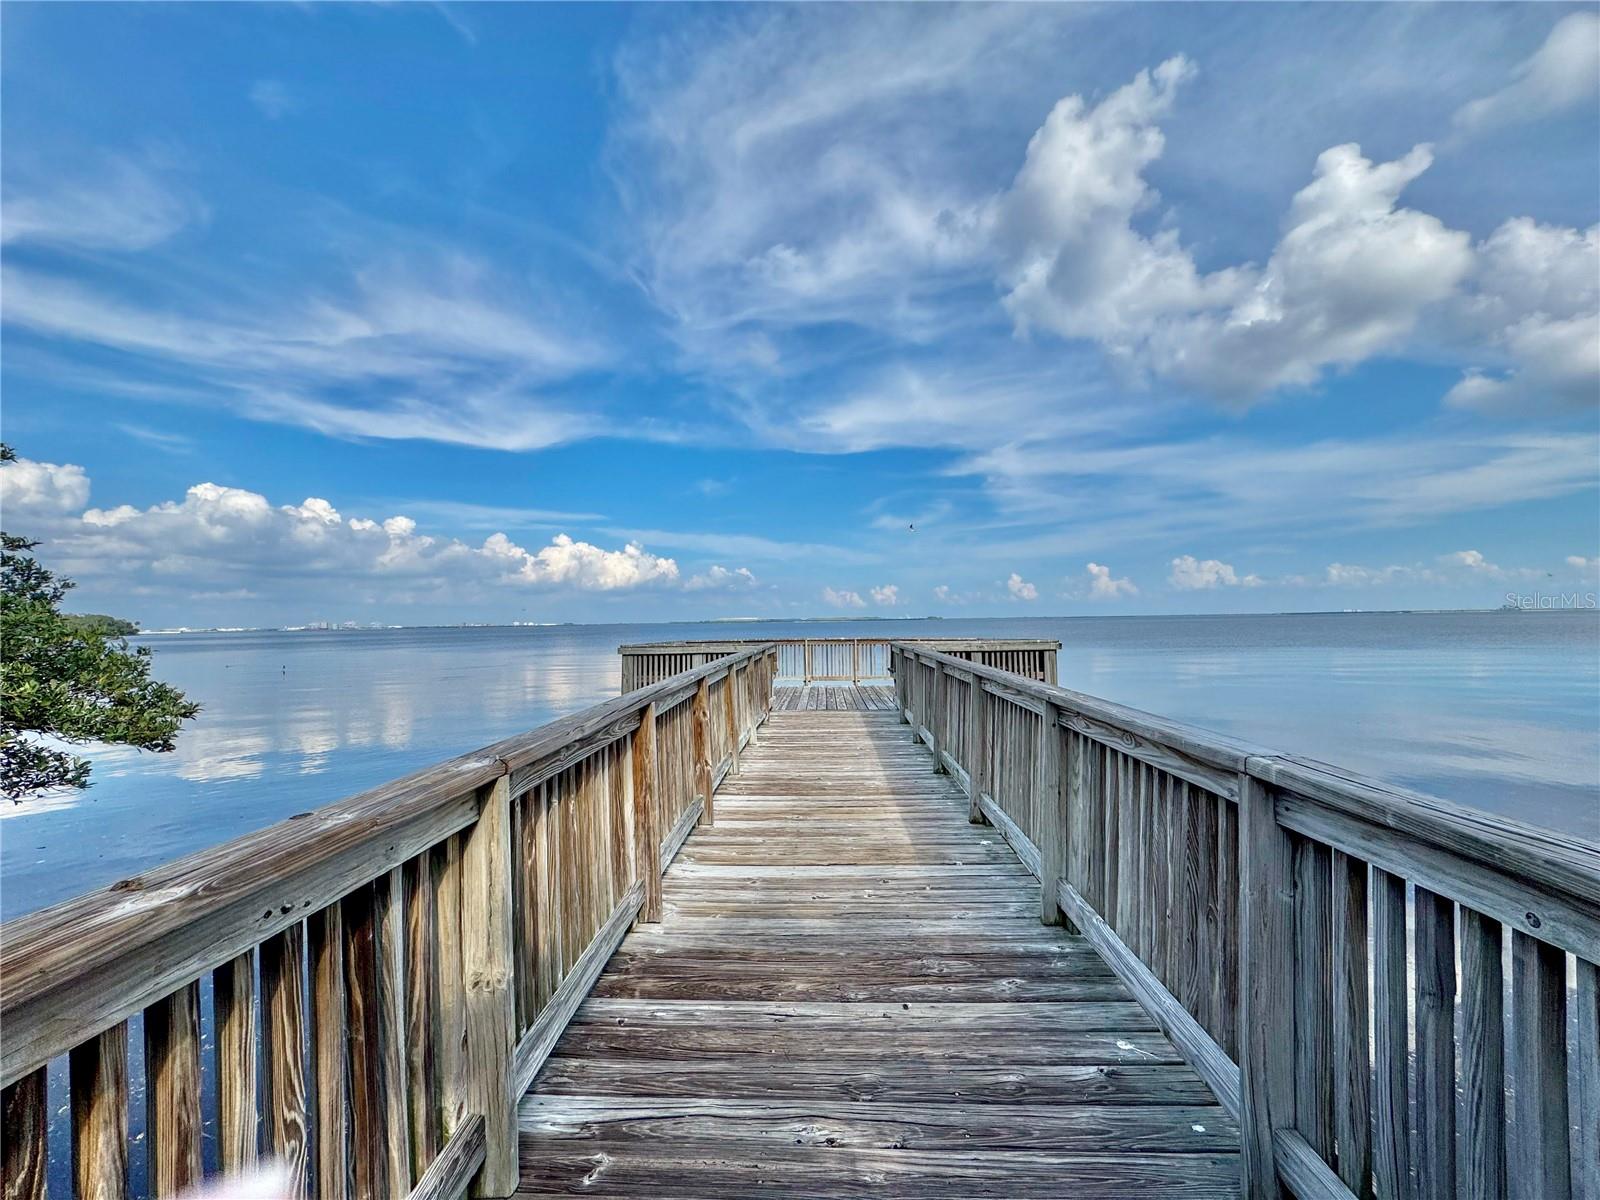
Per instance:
(936,719)
(1052,831)
(1266,997)
(855,662)
(646,845)
(978,754)
(490,1005)
(700,735)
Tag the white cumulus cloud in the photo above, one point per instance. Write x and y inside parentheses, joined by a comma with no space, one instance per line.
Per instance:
(887,596)
(1104,586)
(1192,574)
(842,598)
(1020,588)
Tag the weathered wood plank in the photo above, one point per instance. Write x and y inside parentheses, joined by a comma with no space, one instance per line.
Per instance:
(1391,1046)
(1436,1044)
(1352,1025)
(24,1150)
(172,1092)
(99,1083)
(1267,1019)
(325,942)
(233,998)
(486,966)
(1542,1150)
(283,1053)
(1483,1070)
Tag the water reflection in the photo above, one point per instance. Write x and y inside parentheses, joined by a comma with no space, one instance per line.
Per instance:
(1496,711)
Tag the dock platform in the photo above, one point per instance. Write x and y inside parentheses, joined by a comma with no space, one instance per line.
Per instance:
(850,994)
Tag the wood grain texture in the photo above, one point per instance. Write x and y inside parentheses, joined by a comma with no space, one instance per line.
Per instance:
(1436,1044)
(366,1157)
(1540,1164)
(172,1092)
(24,1151)
(1268,1035)
(233,998)
(1391,1044)
(1483,1064)
(283,1053)
(646,850)
(98,1073)
(1313,997)
(1586,1090)
(422,1030)
(326,951)
(486,968)
(449,1173)
(1352,1025)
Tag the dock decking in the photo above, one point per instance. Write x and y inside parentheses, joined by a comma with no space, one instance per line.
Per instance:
(850,994)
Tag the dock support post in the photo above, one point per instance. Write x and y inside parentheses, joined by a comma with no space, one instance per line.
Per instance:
(486,962)
(1267,1032)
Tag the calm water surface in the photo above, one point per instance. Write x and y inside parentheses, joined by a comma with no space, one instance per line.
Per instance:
(1499,711)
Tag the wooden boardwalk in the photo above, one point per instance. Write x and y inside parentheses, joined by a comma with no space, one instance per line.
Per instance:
(834,697)
(850,994)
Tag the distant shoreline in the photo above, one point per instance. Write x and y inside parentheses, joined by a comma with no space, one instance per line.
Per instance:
(879,620)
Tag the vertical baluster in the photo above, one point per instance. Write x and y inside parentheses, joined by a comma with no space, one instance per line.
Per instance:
(1160,835)
(1352,1052)
(1586,1068)
(936,716)
(1483,1067)
(486,963)
(729,706)
(99,1084)
(700,733)
(283,1051)
(1313,996)
(24,1148)
(1111,847)
(452,987)
(233,998)
(1267,1011)
(546,955)
(1177,885)
(367,1158)
(1142,861)
(172,1091)
(1052,819)
(1539,1017)
(978,755)
(1202,890)
(1436,1044)
(422,1032)
(1390,1037)
(325,934)
(646,848)
(1226,1000)
(389,898)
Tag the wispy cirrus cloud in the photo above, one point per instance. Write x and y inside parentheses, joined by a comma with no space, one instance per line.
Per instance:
(106,201)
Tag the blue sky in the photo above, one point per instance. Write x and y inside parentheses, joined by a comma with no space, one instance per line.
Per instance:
(419,313)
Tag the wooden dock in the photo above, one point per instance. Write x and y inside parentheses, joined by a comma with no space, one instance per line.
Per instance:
(971,934)
(850,994)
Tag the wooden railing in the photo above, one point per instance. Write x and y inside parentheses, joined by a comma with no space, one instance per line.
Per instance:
(1279,918)
(837,660)
(384,976)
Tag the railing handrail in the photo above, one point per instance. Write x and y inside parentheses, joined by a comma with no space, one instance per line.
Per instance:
(1501,844)
(101,947)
